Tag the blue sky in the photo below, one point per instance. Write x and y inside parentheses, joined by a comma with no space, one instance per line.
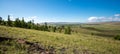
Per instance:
(60,10)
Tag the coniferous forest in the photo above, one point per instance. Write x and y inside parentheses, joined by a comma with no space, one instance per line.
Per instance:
(37,26)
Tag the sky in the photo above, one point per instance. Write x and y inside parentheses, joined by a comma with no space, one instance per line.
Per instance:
(61,10)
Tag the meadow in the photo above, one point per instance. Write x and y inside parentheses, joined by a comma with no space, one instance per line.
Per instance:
(88,39)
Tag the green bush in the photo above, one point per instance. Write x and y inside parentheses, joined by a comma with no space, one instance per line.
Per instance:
(68,30)
(92,33)
(117,37)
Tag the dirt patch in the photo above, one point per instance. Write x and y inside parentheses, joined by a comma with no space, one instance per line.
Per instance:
(36,48)
(33,47)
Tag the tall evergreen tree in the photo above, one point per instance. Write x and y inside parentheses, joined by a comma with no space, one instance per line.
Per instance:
(23,23)
(29,24)
(17,22)
(9,22)
(0,20)
(32,24)
(45,27)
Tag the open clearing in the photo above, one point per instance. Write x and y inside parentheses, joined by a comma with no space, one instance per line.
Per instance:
(55,43)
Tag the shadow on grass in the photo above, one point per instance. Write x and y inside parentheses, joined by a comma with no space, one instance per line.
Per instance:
(5,39)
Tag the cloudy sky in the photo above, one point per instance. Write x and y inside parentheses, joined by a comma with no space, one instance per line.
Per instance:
(61,10)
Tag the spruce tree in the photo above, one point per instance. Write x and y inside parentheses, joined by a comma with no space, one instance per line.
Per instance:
(45,27)
(32,24)
(0,20)
(29,24)
(17,22)
(9,22)
(23,23)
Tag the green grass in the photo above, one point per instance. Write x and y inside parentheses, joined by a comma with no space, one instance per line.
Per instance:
(104,30)
(73,44)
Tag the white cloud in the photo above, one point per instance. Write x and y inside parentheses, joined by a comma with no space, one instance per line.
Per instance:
(91,19)
(117,15)
(35,18)
(12,17)
(104,19)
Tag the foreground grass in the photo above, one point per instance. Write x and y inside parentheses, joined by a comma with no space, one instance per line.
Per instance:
(67,44)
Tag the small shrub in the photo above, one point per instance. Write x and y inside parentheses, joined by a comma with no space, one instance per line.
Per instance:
(92,33)
(68,30)
(117,37)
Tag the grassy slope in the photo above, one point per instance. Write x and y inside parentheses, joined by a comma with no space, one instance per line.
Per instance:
(81,43)
(104,30)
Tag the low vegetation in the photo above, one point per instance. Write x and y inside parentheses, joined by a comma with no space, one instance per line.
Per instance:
(117,37)
(20,37)
(23,41)
(36,26)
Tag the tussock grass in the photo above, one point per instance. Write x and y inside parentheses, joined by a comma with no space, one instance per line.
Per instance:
(63,43)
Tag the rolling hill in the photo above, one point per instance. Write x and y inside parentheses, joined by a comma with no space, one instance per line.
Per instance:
(22,41)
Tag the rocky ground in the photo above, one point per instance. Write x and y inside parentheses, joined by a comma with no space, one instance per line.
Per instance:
(33,48)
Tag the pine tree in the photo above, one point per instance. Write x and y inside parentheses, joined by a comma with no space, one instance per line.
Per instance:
(32,24)
(29,25)
(45,27)
(17,22)
(0,20)
(23,23)
(9,22)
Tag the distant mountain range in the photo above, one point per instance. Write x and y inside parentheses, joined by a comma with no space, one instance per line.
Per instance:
(63,23)
(60,23)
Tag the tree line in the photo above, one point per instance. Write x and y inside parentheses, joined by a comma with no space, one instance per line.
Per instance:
(31,25)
